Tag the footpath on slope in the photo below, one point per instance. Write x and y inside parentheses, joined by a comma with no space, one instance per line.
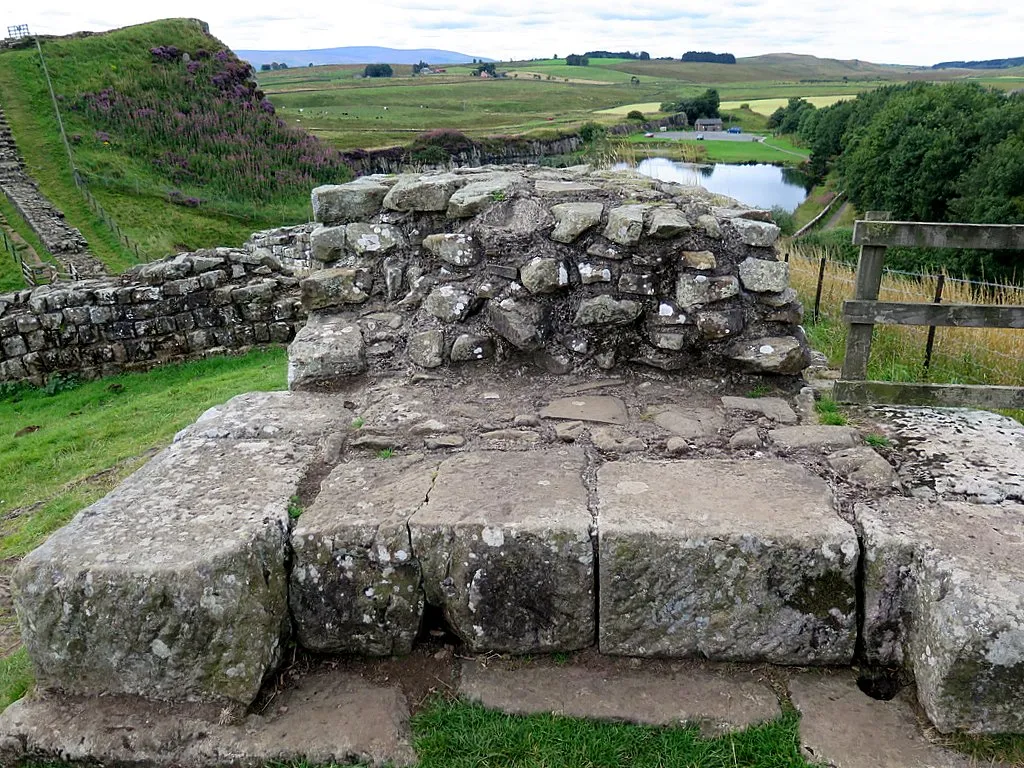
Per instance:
(63,241)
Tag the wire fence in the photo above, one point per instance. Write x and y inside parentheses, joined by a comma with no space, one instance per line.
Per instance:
(948,354)
(80,181)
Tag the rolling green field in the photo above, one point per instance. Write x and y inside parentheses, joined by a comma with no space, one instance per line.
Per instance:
(544,96)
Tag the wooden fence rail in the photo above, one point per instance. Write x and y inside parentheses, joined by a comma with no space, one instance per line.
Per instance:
(874,235)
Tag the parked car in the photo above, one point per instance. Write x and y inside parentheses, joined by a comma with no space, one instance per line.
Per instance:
(649,135)
(735,129)
(699,137)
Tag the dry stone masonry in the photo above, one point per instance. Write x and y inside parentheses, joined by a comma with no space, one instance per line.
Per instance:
(572,268)
(185,306)
(62,240)
(464,466)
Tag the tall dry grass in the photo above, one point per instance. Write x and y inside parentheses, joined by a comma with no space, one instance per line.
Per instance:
(961,355)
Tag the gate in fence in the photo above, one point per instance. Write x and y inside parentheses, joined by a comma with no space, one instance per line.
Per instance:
(865,311)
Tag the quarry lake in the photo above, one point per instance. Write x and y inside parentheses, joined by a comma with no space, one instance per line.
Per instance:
(760,186)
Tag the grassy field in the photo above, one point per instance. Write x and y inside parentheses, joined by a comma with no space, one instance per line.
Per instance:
(768,106)
(776,150)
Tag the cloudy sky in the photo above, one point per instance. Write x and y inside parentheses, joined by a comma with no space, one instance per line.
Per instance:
(884,31)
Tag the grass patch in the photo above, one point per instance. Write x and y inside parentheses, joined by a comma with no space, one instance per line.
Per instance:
(1006,749)
(829,413)
(454,734)
(101,427)
(15,677)
(775,150)
(878,441)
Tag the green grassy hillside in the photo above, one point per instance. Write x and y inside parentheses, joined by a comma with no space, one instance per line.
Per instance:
(172,135)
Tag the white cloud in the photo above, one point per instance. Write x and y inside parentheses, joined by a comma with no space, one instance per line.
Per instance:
(911,31)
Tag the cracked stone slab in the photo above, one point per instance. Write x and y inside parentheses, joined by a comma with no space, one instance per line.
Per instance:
(718,700)
(602,409)
(301,417)
(774,408)
(688,422)
(727,560)
(174,584)
(815,437)
(505,547)
(944,595)
(326,719)
(355,585)
(957,452)
(842,727)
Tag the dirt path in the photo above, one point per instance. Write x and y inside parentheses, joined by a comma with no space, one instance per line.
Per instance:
(837,215)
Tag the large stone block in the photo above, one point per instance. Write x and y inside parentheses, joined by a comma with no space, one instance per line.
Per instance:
(573,219)
(504,544)
(727,560)
(355,585)
(772,354)
(327,288)
(172,586)
(423,193)
(625,224)
(343,203)
(326,351)
(482,193)
(944,595)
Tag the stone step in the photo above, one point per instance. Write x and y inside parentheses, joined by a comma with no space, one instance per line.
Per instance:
(174,585)
(944,597)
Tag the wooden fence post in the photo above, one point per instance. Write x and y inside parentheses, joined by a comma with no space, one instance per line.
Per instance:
(931,328)
(868,284)
(817,293)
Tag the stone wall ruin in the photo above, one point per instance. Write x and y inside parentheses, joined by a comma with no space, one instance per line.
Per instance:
(571,268)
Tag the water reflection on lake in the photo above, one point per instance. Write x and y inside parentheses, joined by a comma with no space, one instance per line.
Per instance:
(760,186)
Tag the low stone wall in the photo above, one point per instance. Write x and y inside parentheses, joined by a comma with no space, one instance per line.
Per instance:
(288,245)
(571,268)
(185,306)
(510,149)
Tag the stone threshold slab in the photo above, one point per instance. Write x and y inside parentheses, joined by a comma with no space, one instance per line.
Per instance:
(716,698)
(334,718)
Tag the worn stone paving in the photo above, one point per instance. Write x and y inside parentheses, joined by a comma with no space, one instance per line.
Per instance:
(491,509)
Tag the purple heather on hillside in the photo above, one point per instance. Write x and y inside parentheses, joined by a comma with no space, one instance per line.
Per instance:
(206,126)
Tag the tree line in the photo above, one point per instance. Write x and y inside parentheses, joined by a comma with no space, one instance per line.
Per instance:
(924,152)
(707,57)
(641,56)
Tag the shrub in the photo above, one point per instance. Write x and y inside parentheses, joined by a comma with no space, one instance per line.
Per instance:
(636,114)
(448,139)
(784,219)
(378,70)
(592,131)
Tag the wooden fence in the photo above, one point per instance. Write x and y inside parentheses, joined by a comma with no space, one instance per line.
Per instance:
(865,311)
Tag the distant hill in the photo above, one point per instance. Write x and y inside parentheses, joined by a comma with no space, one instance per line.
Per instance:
(356,55)
(988,64)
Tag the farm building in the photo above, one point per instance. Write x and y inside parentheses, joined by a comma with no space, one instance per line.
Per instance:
(708,124)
